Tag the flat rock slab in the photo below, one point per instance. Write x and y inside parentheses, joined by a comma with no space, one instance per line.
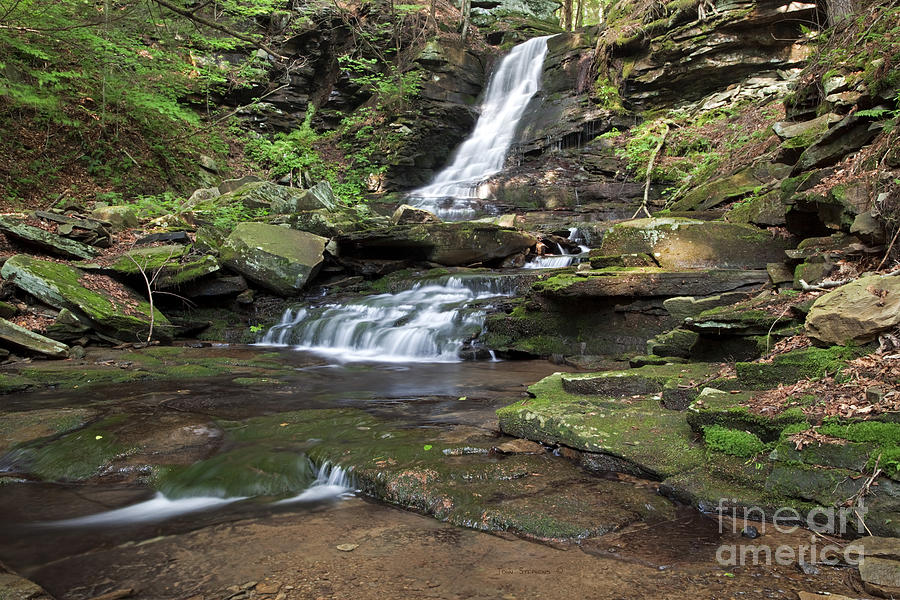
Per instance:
(646,282)
(24,338)
(677,243)
(121,315)
(46,241)
(450,244)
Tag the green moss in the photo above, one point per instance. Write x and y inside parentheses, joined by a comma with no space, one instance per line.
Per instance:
(716,407)
(78,455)
(244,472)
(732,441)
(886,434)
(810,363)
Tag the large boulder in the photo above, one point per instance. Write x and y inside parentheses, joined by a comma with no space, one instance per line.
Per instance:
(856,312)
(119,217)
(692,244)
(277,198)
(277,258)
(450,244)
(111,309)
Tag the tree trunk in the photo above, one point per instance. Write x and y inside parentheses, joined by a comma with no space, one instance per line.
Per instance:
(466,14)
(579,14)
(567,15)
(838,10)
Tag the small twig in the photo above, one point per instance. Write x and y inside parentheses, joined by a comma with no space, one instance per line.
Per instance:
(769,334)
(659,146)
(825,285)
(890,247)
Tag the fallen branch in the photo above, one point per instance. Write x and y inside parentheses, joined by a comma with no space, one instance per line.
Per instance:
(888,251)
(218,27)
(824,286)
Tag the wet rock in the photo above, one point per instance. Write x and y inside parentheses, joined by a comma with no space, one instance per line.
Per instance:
(750,532)
(279,259)
(807,568)
(691,244)
(451,244)
(123,316)
(520,446)
(14,587)
(46,241)
(406,215)
(20,337)
(119,217)
(856,312)
(167,237)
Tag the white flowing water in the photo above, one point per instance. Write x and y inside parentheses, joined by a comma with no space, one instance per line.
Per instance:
(331,483)
(564,258)
(455,190)
(431,322)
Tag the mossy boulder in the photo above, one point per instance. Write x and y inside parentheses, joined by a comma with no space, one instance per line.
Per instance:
(856,312)
(171,264)
(766,210)
(732,187)
(450,244)
(677,243)
(123,315)
(677,342)
(276,198)
(279,259)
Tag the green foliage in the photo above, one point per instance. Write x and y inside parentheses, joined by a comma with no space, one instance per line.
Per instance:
(733,441)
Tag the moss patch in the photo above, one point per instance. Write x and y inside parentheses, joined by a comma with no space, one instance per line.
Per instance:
(732,441)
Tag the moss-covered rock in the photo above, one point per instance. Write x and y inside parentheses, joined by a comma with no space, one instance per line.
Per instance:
(766,210)
(46,241)
(732,187)
(643,282)
(19,337)
(677,342)
(677,243)
(649,438)
(172,265)
(809,363)
(277,258)
(123,316)
(724,409)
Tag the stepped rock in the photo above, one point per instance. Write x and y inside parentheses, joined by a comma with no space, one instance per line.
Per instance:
(19,336)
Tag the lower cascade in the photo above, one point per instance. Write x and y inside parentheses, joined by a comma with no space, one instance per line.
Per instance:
(430,322)
(564,258)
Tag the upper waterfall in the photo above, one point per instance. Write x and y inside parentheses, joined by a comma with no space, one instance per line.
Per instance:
(455,189)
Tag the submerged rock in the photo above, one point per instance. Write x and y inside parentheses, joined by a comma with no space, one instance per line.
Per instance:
(279,259)
(856,312)
(116,312)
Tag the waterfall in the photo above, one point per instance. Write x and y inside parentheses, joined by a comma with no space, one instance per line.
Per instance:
(430,322)
(564,258)
(455,190)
